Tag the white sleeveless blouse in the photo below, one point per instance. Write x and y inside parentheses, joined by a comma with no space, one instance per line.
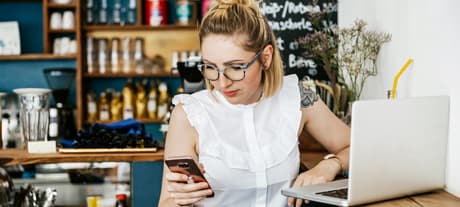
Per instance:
(249,152)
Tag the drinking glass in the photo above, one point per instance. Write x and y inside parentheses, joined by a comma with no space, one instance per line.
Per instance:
(33,111)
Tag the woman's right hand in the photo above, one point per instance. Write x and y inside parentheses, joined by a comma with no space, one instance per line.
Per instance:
(183,191)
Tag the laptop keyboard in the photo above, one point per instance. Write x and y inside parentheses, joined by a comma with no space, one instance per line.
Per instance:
(340,193)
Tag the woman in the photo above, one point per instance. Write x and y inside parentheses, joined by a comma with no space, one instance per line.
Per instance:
(244,129)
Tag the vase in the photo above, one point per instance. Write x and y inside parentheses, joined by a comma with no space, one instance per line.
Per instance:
(345,115)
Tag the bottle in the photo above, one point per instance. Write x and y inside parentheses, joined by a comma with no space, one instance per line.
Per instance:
(90,55)
(205,5)
(91,106)
(139,55)
(128,100)
(93,200)
(180,90)
(5,133)
(163,100)
(89,12)
(14,129)
(152,101)
(156,12)
(121,200)
(184,12)
(174,60)
(116,12)
(126,50)
(53,130)
(131,14)
(104,108)
(184,56)
(116,106)
(114,55)
(141,100)
(103,12)
(102,55)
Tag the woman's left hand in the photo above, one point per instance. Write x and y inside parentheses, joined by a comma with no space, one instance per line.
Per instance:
(324,171)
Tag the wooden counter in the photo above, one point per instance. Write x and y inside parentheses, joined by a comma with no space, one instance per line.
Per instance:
(435,199)
(10,157)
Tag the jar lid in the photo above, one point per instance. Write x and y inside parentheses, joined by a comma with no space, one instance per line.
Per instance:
(121,196)
(31,91)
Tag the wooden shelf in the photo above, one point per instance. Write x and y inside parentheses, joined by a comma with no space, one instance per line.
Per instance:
(61,31)
(160,40)
(3,1)
(35,57)
(145,121)
(130,75)
(61,6)
(137,27)
(9,157)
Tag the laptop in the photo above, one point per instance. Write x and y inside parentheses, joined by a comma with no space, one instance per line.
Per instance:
(398,148)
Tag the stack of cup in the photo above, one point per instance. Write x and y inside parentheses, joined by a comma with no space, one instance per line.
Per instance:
(65,20)
(34,105)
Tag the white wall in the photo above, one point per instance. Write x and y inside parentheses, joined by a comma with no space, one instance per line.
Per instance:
(429,32)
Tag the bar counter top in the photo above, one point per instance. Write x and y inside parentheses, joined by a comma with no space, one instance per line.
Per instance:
(9,157)
(439,198)
(432,199)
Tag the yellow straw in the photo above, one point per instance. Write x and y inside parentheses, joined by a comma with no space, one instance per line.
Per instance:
(395,81)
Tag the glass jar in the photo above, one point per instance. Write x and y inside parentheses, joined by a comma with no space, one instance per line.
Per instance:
(156,12)
(186,12)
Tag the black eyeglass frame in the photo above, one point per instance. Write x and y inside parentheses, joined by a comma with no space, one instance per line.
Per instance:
(244,68)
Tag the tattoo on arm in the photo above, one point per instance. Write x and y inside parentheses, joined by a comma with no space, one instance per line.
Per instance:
(308,94)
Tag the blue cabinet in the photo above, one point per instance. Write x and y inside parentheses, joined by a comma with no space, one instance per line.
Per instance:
(146,183)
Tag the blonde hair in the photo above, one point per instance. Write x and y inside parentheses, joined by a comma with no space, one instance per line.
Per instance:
(230,17)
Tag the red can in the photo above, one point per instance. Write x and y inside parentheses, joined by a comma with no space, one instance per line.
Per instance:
(206,4)
(156,12)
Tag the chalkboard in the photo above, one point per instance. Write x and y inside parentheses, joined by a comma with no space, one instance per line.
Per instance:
(290,21)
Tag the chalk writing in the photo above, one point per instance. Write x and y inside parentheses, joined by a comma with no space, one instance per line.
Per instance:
(271,9)
(299,8)
(289,8)
(289,24)
(280,42)
(300,62)
(290,20)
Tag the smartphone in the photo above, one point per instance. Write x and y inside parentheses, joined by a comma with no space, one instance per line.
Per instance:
(186,165)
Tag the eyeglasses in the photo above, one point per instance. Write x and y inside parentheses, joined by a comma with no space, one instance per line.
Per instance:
(233,72)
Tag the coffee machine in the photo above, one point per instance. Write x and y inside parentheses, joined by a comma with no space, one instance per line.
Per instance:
(62,120)
(192,79)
